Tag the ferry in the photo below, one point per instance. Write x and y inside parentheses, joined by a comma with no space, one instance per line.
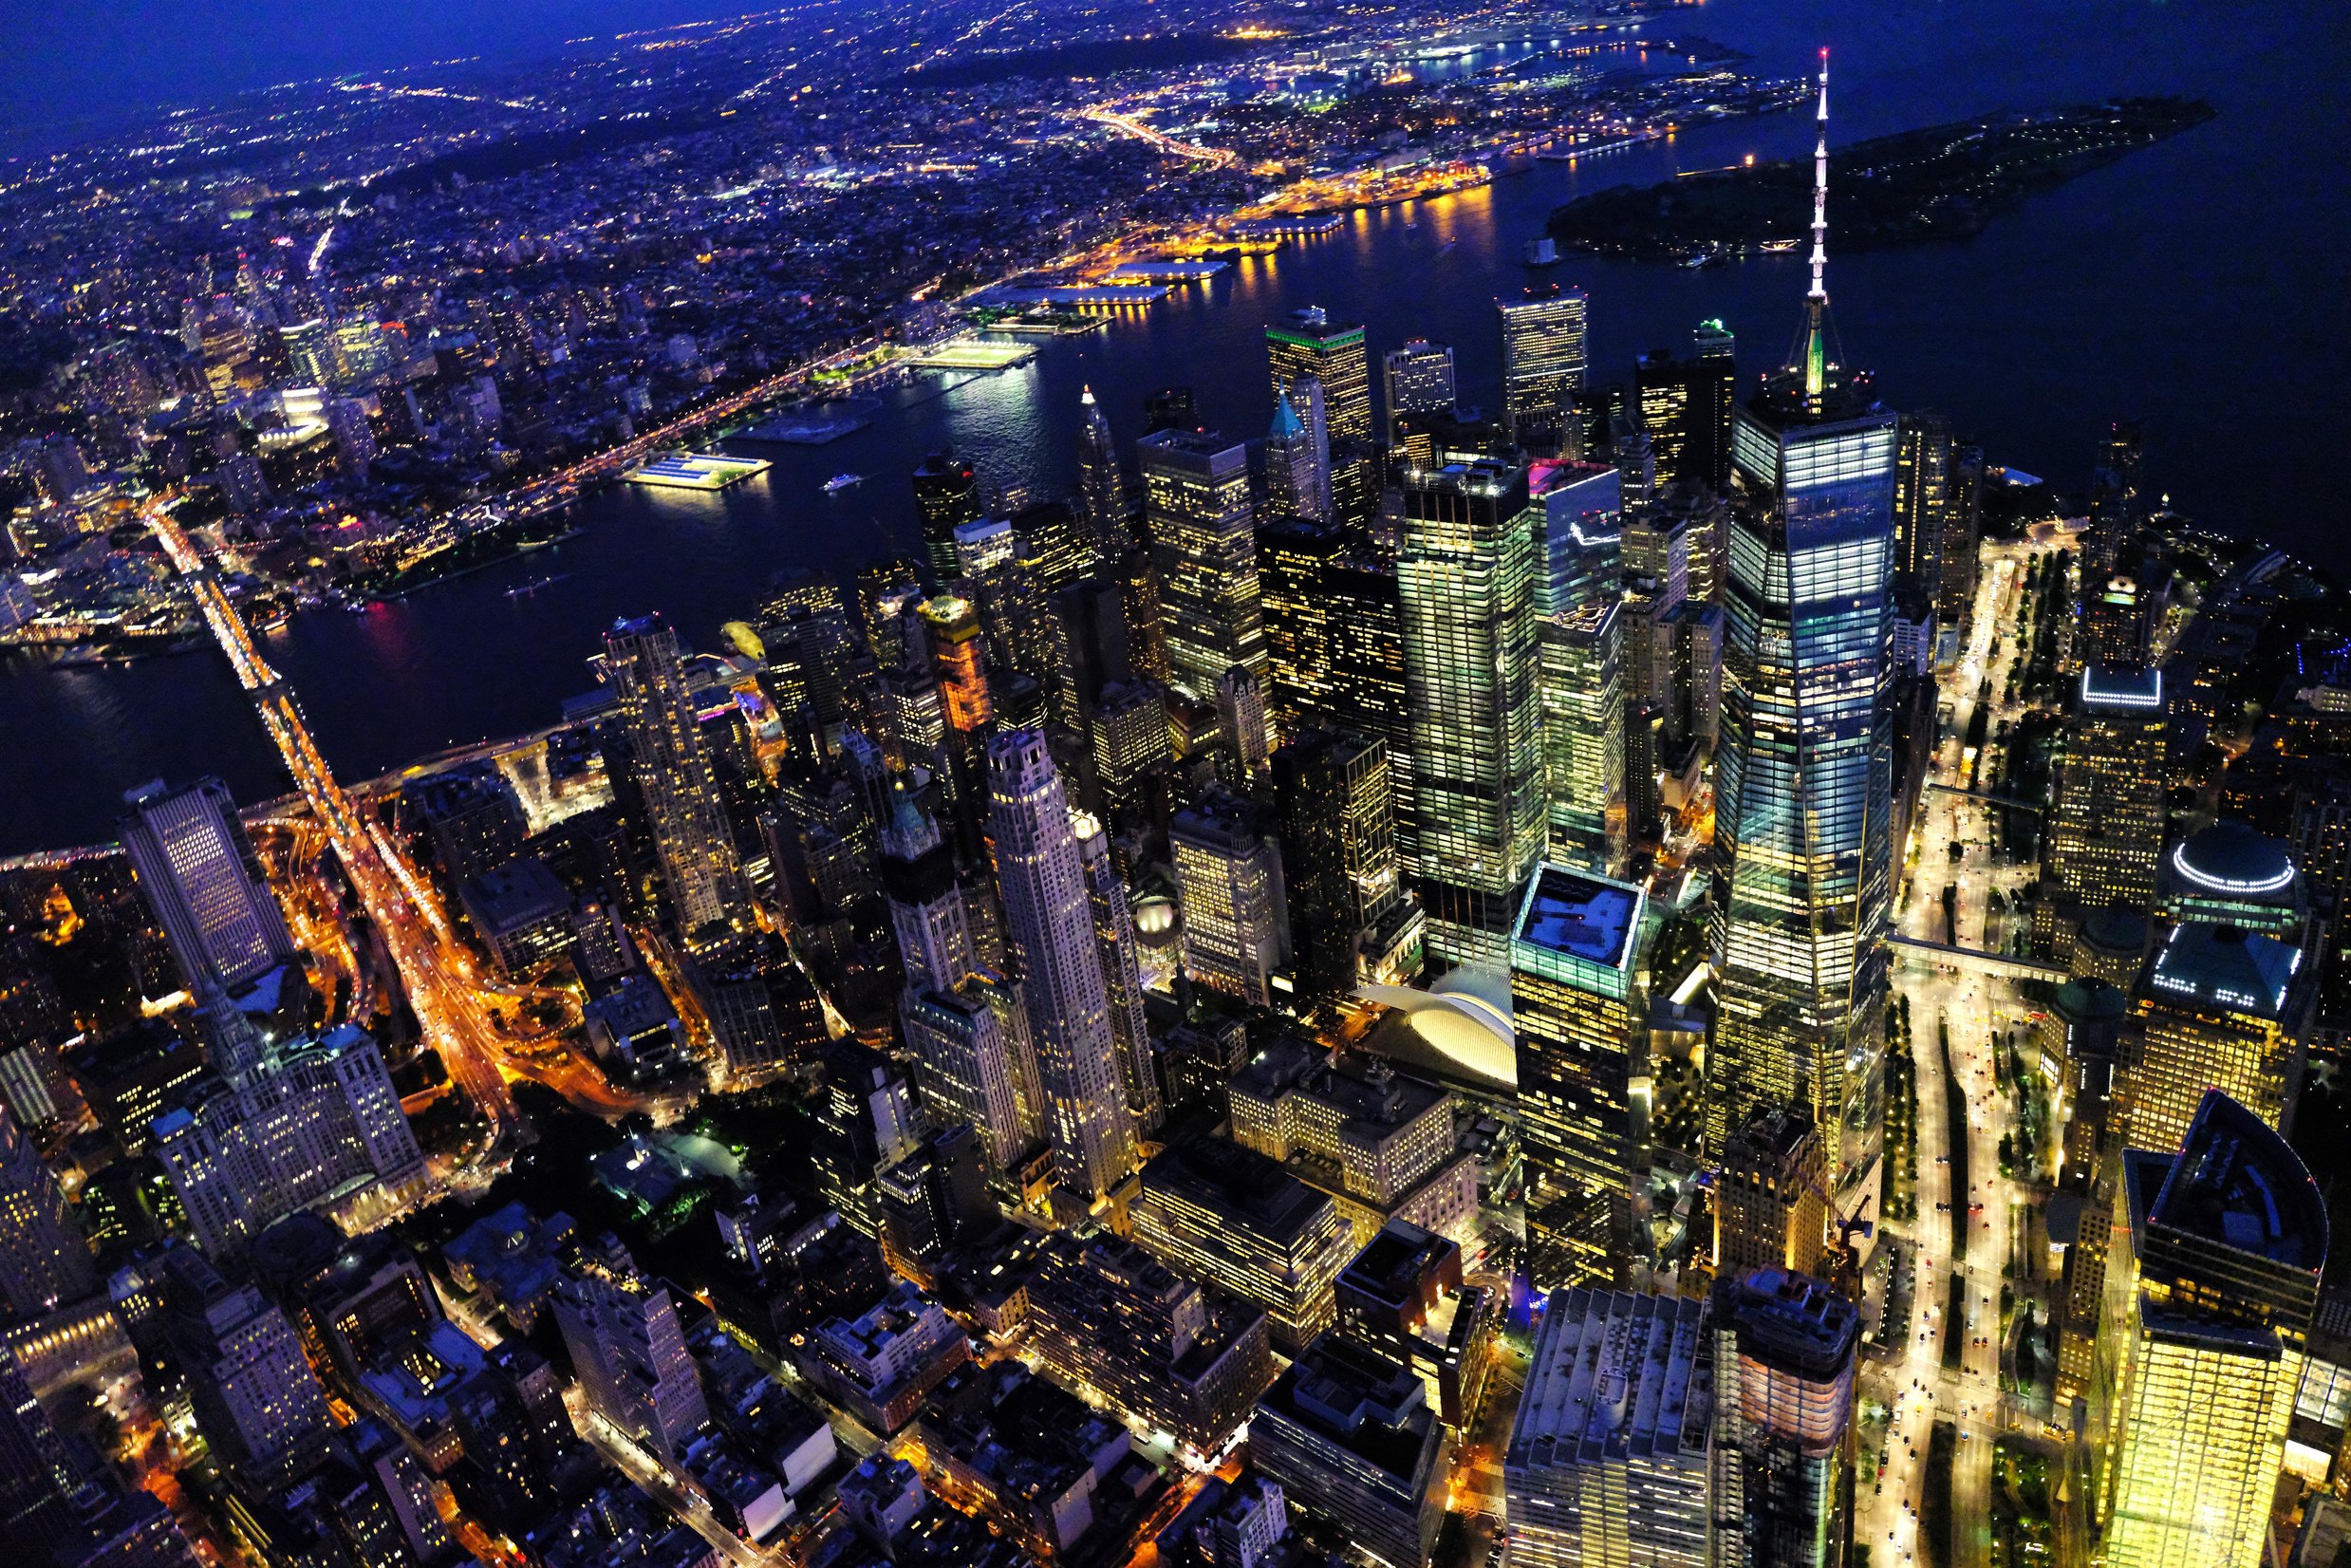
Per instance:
(1544,252)
(1704,258)
(1773,247)
(521,590)
(842,481)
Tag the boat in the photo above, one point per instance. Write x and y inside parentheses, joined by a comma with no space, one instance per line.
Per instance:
(842,481)
(1542,251)
(523,591)
(1773,247)
(1704,258)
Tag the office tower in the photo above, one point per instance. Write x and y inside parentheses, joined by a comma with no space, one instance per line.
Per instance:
(1403,1294)
(1544,360)
(886,592)
(1243,727)
(1580,543)
(256,1400)
(1110,1321)
(1297,466)
(864,1120)
(1419,379)
(1235,931)
(1347,1430)
(1466,584)
(2220,1007)
(2228,874)
(2209,1301)
(1667,402)
(1578,966)
(1049,931)
(1129,741)
(2106,816)
(1607,1460)
(925,902)
(1770,1203)
(1382,1144)
(1804,786)
(1310,345)
(43,1260)
(630,1355)
(1338,861)
(2117,507)
(47,1492)
(201,878)
(1101,500)
(1712,373)
(1924,492)
(317,1121)
(1782,1462)
(1335,651)
(974,1064)
(959,662)
(1229,1216)
(1196,511)
(1959,556)
(946,495)
(998,571)
(675,778)
(934,1200)
(1121,970)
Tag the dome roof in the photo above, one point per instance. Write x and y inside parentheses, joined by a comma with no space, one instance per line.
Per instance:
(2232,860)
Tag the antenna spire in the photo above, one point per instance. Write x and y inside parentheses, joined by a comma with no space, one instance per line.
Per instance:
(1817,300)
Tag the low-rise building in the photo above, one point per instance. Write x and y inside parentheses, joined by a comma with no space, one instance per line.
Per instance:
(1348,1432)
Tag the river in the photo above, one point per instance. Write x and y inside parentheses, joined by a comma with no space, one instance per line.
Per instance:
(2196,285)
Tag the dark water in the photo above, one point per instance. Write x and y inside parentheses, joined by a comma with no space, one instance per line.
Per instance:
(2198,286)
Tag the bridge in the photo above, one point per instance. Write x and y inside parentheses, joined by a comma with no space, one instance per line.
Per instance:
(2004,802)
(1982,962)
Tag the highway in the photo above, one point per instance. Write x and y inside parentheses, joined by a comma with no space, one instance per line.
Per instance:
(1970,1006)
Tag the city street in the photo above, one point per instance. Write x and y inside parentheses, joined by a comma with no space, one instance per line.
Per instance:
(1960,1190)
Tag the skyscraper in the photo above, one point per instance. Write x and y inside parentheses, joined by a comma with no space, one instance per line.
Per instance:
(2210,1295)
(1713,381)
(255,1397)
(1924,492)
(1308,344)
(1049,933)
(1577,969)
(201,878)
(1783,1421)
(925,901)
(2107,814)
(974,1064)
(1101,491)
(1607,1461)
(1121,970)
(1243,729)
(1236,933)
(1803,791)
(43,1260)
(673,774)
(1340,879)
(1579,606)
(1466,583)
(2220,1007)
(1419,378)
(959,660)
(1196,510)
(630,1355)
(946,495)
(1545,361)
(1297,467)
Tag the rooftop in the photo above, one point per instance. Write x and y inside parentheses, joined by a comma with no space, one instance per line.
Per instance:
(2109,690)
(2238,1182)
(1236,1183)
(2230,859)
(1616,1375)
(2226,967)
(1579,915)
(1793,1319)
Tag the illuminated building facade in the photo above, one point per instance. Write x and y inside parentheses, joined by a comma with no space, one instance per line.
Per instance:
(1545,361)
(1782,1465)
(1197,511)
(1049,929)
(1576,970)
(1101,489)
(1770,1207)
(1121,970)
(2210,1295)
(1347,1430)
(43,1260)
(1236,930)
(946,495)
(1607,1461)
(2106,816)
(672,771)
(1107,1317)
(1218,1212)
(1804,786)
(1348,916)
(959,658)
(201,878)
(1580,606)
(2219,1008)
(631,1356)
(1419,379)
(1466,585)
(1335,355)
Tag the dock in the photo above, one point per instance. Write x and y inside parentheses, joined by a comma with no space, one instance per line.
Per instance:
(974,354)
(1083,296)
(697,471)
(1166,271)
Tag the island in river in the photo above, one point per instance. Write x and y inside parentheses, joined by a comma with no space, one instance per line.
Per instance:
(1942,182)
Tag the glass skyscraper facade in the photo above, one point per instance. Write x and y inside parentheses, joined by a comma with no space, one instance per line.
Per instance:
(1803,789)
(1579,607)
(1466,582)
